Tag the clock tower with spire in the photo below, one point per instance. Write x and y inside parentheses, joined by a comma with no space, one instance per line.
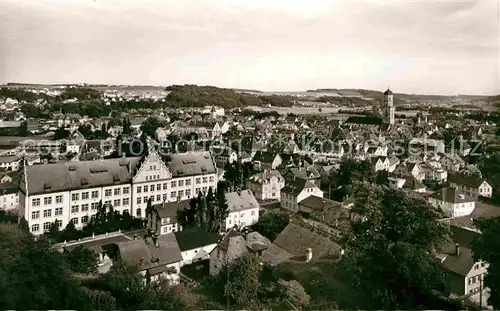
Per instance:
(390,110)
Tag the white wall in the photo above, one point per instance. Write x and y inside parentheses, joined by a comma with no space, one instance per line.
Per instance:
(189,255)
(9,201)
(242,218)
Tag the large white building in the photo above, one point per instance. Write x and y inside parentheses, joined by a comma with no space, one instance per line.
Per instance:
(452,201)
(70,192)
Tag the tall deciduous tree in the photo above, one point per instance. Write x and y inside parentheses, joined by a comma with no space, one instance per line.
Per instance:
(243,280)
(33,275)
(486,247)
(389,252)
(294,292)
(81,260)
(349,172)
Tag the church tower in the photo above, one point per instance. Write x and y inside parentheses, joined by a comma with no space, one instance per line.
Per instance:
(389,106)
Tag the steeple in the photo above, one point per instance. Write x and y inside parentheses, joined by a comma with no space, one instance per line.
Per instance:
(390,110)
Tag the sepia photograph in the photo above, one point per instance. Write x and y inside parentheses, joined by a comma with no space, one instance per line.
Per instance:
(250,155)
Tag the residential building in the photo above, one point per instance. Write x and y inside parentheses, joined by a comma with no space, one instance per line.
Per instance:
(163,217)
(157,257)
(452,202)
(297,190)
(195,245)
(235,244)
(267,160)
(243,209)
(267,185)
(10,163)
(9,195)
(472,185)
(464,276)
(232,246)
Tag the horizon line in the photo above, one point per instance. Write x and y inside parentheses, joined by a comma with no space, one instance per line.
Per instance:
(5,84)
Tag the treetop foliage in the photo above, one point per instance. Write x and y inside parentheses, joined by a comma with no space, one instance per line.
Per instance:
(397,237)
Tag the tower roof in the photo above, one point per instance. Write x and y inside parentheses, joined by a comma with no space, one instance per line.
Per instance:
(388,92)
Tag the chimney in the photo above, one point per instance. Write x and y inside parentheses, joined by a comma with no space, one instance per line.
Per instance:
(457,250)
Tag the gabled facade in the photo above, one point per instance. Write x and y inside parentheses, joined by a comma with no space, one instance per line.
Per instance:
(452,201)
(473,186)
(267,185)
(295,191)
(70,192)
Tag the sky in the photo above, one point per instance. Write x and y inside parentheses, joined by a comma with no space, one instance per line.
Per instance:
(425,47)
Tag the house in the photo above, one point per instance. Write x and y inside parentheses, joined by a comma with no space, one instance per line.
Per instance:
(452,162)
(243,209)
(265,159)
(471,169)
(425,145)
(10,163)
(452,201)
(195,244)
(97,244)
(463,275)
(326,215)
(9,195)
(410,169)
(297,190)
(307,172)
(223,156)
(472,185)
(235,244)
(232,246)
(155,258)
(163,217)
(267,185)
(406,183)
(434,171)
(380,163)
(299,239)
(161,134)
(376,151)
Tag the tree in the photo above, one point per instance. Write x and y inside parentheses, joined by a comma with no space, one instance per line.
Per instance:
(23,130)
(243,280)
(222,207)
(294,292)
(211,213)
(486,247)
(350,171)
(61,133)
(201,210)
(150,125)
(149,207)
(271,224)
(381,178)
(396,235)
(98,299)
(33,275)
(81,260)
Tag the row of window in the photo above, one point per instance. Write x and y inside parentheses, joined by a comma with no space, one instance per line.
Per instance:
(476,278)
(47,213)
(118,191)
(75,220)
(46,200)
(159,197)
(173,184)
